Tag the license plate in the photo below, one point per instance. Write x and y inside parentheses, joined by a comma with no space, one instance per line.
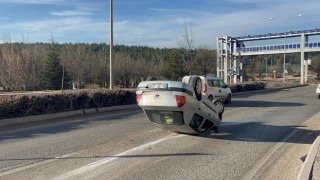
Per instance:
(158,85)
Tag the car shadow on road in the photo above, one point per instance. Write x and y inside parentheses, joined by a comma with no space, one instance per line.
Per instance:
(243,103)
(260,132)
(103,157)
(62,125)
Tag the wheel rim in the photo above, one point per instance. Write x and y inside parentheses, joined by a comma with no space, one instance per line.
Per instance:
(198,86)
(196,83)
(220,106)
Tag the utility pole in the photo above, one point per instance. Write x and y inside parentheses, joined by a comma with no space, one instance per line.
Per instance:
(284,54)
(285,44)
(111,45)
(62,79)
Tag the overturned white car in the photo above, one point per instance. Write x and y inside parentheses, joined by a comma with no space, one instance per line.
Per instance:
(179,106)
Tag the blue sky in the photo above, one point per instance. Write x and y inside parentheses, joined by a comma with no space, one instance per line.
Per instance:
(155,23)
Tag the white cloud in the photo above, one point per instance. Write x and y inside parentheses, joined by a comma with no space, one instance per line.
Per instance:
(70,13)
(163,32)
(50,24)
(63,30)
(6,18)
(160,33)
(32,1)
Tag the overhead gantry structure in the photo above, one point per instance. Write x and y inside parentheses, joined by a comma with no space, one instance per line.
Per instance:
(231,49)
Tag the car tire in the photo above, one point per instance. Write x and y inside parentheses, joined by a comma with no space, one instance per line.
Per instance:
(197,87)
(318,96)
(220,105)
(228,100)
(210,98)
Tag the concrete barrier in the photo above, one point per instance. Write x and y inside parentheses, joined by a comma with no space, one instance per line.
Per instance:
(267,90)
(308,164)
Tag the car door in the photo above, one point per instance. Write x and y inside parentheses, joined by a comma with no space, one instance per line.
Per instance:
(223,90)
(217,92)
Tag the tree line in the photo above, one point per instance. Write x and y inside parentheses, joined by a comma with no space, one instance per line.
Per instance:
(40,66)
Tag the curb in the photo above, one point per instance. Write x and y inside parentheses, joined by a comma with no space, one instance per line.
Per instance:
(306,169)
(44,117)
(267,90)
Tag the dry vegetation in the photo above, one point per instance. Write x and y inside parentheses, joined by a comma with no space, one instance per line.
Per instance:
(20,105)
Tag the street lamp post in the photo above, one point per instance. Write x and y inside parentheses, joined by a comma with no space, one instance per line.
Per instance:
(111,45)
(285,48)
(266,68)
(285,43)
(284,52)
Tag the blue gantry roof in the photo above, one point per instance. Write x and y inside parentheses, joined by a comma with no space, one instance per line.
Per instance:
(278,35)
(278,47)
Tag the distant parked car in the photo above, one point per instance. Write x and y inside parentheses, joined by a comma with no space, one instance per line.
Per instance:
(318,91)
(213,88)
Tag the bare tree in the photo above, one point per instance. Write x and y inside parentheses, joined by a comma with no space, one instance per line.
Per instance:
(12,68)
(73,58)
(123,68)
(186,39)
(103,73)
(204,62)
(186,43)
(315,66)
(31,57)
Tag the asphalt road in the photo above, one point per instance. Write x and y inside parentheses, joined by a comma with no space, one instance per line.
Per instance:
(263,136)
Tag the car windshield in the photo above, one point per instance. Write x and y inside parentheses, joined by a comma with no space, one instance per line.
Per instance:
(216,83)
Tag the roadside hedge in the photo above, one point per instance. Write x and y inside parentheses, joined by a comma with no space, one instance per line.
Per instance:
(20,105)
(247,87)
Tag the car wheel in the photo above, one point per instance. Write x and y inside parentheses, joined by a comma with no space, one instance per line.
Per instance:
(197,87)
(220,106)
(318,96)
(228,100)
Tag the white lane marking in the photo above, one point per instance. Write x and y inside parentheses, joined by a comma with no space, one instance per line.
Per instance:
(262,161)
(84,169)
(34,164)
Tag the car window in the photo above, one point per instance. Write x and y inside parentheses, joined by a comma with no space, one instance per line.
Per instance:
(216,83)
(212,83)
(222,84)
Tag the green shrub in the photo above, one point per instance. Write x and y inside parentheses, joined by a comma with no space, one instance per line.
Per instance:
(247,87)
